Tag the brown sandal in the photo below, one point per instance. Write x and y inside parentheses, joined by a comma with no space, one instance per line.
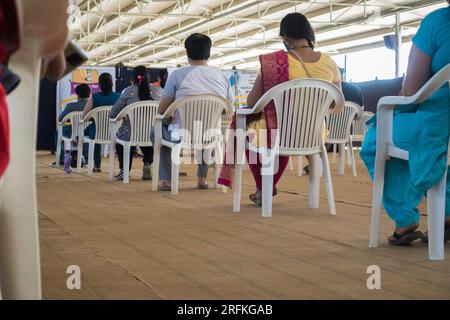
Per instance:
(258,200)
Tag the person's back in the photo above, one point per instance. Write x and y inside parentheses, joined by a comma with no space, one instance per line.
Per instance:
(196,80)
(101,99)
(352,93)
(72,107)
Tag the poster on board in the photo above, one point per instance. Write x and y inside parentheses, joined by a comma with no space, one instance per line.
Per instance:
(242,82)
(65,91)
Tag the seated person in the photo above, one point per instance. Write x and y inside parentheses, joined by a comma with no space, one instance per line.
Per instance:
(352,92)
(422,129)
(139,90)
(106,97)
(299,62)
(197,79)
(83,92)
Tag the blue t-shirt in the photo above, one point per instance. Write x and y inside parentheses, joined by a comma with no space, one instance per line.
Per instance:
(433,38)
(99,99)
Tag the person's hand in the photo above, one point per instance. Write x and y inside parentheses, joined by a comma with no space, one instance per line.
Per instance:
(53,66)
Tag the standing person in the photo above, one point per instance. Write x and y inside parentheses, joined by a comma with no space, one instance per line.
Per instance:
(106,97)
(299,62)
(197,79)
(139,90)
(422,129)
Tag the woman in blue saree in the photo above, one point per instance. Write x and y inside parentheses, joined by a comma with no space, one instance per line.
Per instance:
(422,129)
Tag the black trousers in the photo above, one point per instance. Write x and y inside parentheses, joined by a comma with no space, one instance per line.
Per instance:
(147,151)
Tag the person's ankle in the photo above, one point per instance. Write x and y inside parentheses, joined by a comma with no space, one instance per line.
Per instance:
(202,181)
(403,230)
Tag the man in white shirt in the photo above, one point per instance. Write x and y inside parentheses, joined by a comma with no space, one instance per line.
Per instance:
(197,79)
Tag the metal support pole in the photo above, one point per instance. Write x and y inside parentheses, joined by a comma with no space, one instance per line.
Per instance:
(398,34)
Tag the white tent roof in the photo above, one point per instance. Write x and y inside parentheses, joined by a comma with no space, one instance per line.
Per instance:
(152,32)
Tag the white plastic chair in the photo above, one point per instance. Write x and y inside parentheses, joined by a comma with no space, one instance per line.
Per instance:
(359,126)
(201,129)
(301,107)
(339,126)
(386,149)
(20,274)
(74,118)
(141,116)
(100,117)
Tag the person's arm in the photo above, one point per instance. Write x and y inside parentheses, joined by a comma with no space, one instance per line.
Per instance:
(119,105)
(256,93)
(418,71)
(169,92)
(88,106)
(164,104)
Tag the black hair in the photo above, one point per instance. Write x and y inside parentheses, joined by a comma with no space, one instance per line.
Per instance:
(198,46)
(83,91)
(163,74)
(141,80)
(105,82)
(296,26)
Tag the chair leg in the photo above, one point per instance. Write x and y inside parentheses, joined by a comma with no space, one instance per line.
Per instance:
(58,148)
(155,169)
(218,158)
(176,151)
(436,219)
(349,150)
(341,159)
(267,195)
(79,152)
(328,182)
(300,166)
(377,196)
(237,185)
(91,157)
(352,157)
(126,163)
(291,165)
(314,180)
(112,158)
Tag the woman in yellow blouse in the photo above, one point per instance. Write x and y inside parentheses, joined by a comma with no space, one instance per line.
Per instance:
(299,62)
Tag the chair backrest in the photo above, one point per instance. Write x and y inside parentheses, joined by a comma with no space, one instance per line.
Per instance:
(339,124)
(359,126)
(301,107)
(74,118)
(141,115)
(100,117)
(200,118)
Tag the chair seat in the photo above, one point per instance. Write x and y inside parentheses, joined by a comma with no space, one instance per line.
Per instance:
(134,144)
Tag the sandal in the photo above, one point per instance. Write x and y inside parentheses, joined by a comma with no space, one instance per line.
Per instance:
(446,236)
(164,186)
(258,200)
(406,238)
